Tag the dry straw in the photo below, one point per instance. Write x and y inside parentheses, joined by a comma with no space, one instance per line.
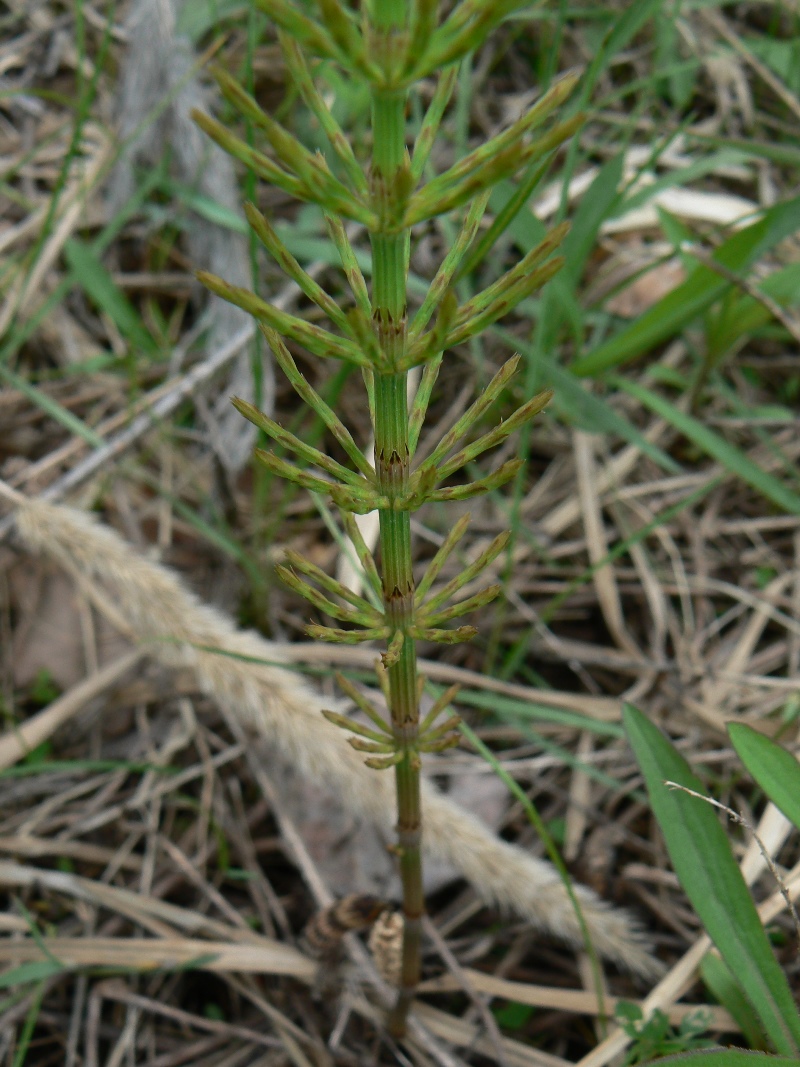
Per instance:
(159,87)
(234,669)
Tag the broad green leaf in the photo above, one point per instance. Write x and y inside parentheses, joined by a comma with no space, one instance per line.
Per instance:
(717,447)
(106,295)
(776,770)
(708,872)
(200,16)
(694,296)
(724,1057)
(725,989)
(782,56)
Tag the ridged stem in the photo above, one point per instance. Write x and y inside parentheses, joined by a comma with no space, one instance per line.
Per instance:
(392,464)
(392,460)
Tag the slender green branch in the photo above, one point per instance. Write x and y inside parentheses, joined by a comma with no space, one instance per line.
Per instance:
(434,567)
(307,393)
(422,398)
(302,80)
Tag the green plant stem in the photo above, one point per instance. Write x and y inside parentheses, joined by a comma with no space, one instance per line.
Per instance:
(391,453)
(392,460)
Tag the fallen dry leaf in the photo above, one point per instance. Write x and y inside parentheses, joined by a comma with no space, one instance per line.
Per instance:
(647,289)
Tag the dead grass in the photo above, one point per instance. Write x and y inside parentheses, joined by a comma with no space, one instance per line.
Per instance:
(157,871)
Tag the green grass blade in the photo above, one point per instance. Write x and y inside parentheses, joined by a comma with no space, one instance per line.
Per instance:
(74,767)
(204,206)
(51,407)
(578,406)
(22,331)
(36,971)
(624,28)
(548,612)
(703,860)
(527,710)
(694,296)
(744,314)
(725,989)
(788,154)
(23,1045)
(520,713)
(717,447)
(595,207)
(196,19)
(550,847)
(681,177)
(505,216)
(595,415)
(776,770)
(724,1057)
(106,295)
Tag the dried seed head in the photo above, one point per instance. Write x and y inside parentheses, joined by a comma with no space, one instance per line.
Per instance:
(386,945)
(358,911)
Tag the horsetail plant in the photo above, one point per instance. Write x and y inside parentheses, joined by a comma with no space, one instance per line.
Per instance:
(389,45)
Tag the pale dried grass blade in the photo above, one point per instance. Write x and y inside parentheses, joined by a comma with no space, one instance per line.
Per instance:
(714,19)
(773,829)
(722,209)
(159,88)
(23,295)
(580,791)
(153,914)
(82,851)
(615,472)
(162,953)
(698,205)
(717,691)
(464,1034)
(115,989)
(604,580)
(579,1001)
